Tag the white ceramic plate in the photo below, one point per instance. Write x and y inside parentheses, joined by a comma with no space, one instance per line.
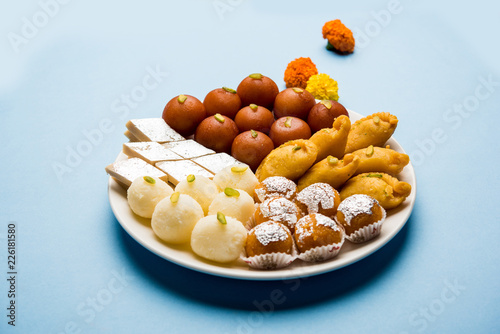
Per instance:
(140,229)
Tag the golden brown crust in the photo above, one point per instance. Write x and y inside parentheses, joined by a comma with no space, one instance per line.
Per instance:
(374,130)
(291,160)
(335,174)
(332,141)
(386,189)
(378,159)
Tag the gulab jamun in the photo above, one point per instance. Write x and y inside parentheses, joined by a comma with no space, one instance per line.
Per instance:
(224,101)
(251,147)
(254,117)
(183,113)
(324,113)
(257,89)
(217,133)
(293,102)
(289,128)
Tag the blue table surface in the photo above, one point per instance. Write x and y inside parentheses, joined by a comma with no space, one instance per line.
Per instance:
(73,72)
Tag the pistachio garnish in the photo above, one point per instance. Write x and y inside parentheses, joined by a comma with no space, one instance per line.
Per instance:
(181,98)
(230,192)
(297,90)
(221,218)
(332,160)
(149,179)
(254,133)
(254,107)
(374,175)
(219,118)
(296,148)
(190,178)
(288,122)
(326,103)
(174,198)
(376,119)
(369,151)
(239,169)
(229,90)
(255,76)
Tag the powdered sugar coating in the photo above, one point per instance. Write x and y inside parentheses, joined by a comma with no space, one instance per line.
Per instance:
(325,221)
(355,205)
(276,186)
(304,227)
(316,194)
(280,210)
(270,232)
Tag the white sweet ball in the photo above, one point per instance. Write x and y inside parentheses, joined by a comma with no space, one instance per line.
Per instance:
(174,222)
(142,196)
(240,207)
(202,189)
(237,177)
(218,242)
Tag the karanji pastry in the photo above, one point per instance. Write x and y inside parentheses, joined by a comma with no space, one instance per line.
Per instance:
(374,130)
(386,189)
(290,160)
(332,141)
(331,170)
(379,159)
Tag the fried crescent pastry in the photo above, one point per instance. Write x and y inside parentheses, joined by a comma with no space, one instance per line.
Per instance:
(374,130)
(330,170)
(332,141)
(378,159)
(291,160)
(386,189)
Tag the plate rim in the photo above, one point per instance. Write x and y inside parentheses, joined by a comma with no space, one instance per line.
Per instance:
(304,270)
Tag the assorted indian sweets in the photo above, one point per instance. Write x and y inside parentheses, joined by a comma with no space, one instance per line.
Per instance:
(300,181)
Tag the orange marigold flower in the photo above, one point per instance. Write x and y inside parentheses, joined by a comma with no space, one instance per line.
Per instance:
(299,71)
(339,37)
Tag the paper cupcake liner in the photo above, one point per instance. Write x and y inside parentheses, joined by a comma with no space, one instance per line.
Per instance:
(322,253)
(250,223)
(271,260)
(368,232)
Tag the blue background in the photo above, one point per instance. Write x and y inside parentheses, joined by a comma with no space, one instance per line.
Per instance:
(440,274)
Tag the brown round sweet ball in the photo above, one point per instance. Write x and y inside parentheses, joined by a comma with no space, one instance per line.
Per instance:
(317,230)
(289,128)
(257,89)
(358,211)
(318,198)
(254,117)
(324,113)
(224,101)
(217,133)
(251,147)
(269,237)
(183,113)
(293,102)
(278,209)
(275,186)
